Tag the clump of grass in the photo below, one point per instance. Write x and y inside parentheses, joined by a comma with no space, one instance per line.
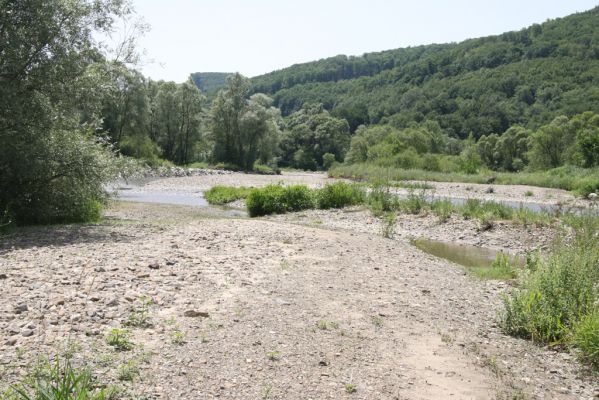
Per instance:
(60,381)
(350,388)
(324,325)
(388,227)
(273,355)
(381,200)
(586,337)
(339,195)
(219,195)
(414,203)
(178,337)
(128,371)
(442,209)
(501,269)
(529,193)
(527,217)
(558,298)
(120,339)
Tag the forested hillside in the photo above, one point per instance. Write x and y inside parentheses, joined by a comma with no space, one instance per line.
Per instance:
(479,86)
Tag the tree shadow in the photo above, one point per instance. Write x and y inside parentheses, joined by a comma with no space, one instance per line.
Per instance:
(27,237)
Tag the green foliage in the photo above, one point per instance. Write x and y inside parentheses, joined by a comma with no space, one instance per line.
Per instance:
(243,130)
(120,339)
(277,199)
(388,227)
(310,134)
(60,381)
(560,292)
(443,209)
(140,314)
(501,269)
(210,82)
(52,165)
(586,337)
(128,371)
(220,195)
(339,195)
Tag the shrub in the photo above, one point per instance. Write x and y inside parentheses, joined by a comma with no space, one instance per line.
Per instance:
(339,195)
(265,201)
(380,199)
(327,160)
(276,199)
(559,291)
(265,169)
(414,203)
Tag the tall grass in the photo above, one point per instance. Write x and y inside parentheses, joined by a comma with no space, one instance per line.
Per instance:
(219,195)
(582,181)
(60,381)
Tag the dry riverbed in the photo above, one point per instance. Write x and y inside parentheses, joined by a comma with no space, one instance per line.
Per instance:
(299,306)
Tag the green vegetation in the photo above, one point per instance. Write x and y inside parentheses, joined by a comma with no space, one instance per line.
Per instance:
(580,180)
(501,269)
(350,388)
(210,82)
(52,82)
(557,302)
(277,199)
(140,314)
(60,381)
(219,195)
(339,195)
(128,371)
(120,339)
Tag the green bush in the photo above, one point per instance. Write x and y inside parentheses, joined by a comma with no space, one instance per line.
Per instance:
(297,198)
(442,209)
(265,169)
(276,199)
(559,291)
(381,200)
(339,195)
(219,195)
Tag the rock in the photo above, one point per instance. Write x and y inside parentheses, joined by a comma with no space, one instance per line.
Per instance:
(3,276)
(11,341)
(196,314)
(490,190)
(169,262)
(99,269)
(21,308)
(154,265)
(112,302)
(26,332)
(95,298)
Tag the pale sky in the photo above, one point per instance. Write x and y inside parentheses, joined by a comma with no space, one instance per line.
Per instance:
(259,36)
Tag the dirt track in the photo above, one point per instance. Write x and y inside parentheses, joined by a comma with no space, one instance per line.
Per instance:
(295,310)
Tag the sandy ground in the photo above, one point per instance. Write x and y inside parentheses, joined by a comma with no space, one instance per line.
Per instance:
(286,307)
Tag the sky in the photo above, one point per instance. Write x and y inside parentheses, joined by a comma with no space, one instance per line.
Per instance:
(258,36)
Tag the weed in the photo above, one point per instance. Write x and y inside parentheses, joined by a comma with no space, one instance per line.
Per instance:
(128,371)
(120,339)
(442,209)
(324,325)
(140,315)
(529,193)
(267,391)
(377,321)
(388,227)
(178,337)
(586,337)
(350,388)
(501,269)
(60,381)
(446,338)
(273,355)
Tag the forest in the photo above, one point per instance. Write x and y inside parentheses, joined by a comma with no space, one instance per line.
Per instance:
(72,116)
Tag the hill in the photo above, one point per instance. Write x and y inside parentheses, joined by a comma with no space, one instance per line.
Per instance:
(210,82)
(478,86)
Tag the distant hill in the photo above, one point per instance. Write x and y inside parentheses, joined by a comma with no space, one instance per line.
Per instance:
(210,82)
(478,86)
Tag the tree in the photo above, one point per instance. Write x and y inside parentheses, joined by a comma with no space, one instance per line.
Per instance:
(243,130)
(51,85)
(552,144)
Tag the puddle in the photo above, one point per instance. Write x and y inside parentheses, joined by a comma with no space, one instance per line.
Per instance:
(466,255)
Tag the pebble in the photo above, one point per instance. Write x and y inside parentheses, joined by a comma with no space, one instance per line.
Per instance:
(195,314)
(21,308)
(26,332)
(3,276)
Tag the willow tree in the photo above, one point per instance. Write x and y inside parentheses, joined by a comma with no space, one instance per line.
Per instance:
(52,165)
(243,129)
